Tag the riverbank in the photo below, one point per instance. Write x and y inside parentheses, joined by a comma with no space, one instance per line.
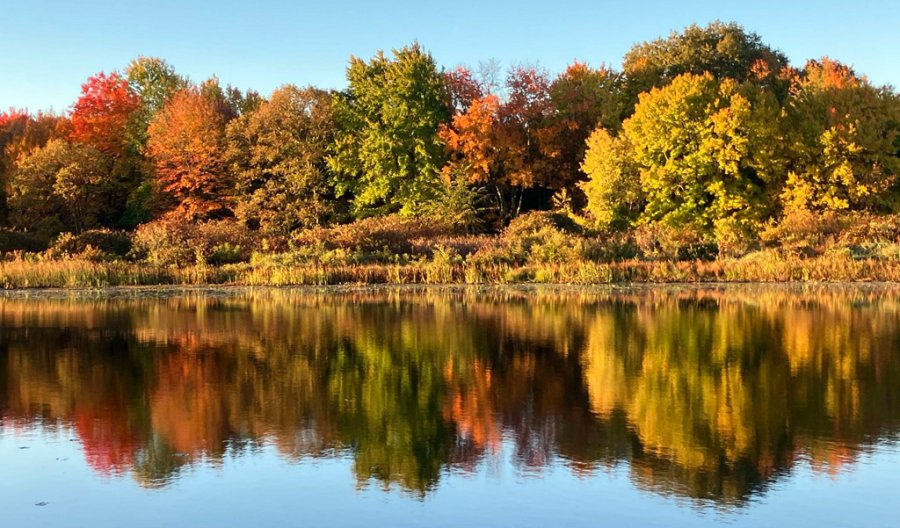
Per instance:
(762,267)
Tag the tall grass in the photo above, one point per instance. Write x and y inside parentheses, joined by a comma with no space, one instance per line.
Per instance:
(447,268)
(80,273)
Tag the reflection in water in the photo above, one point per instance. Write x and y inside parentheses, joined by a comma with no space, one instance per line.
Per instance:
(702,393)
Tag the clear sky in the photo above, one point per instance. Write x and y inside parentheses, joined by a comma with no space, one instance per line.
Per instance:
(49,47)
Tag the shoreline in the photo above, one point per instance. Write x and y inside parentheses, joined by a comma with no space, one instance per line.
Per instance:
(89,274)
(166,291)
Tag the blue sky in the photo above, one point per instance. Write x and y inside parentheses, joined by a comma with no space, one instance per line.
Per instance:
(49,47)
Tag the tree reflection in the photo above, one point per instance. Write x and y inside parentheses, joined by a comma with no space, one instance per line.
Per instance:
(704,393)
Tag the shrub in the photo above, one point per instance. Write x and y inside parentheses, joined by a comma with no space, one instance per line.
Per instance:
(228,236)
(659,241)
(173,242)
(610,246)
(459,206)
(537,237)
(164,242)
(394,233)
(115,244)
(863,228)
(464,245)
(803,231)
(20,241)
(225,253)
(735,238)
(533,222)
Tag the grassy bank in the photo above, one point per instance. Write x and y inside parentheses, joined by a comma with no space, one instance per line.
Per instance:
(81,273)
(534,248)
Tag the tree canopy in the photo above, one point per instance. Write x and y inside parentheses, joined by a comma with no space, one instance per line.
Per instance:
(387,153)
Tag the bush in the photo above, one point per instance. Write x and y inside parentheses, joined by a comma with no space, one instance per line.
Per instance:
(734,238)
(458,206)
(173,242)
(862,228)
(394,233)
(537,237)
(611,246)
(164,243)
(20,241)
(658,241)
(114,244)
(534,222)
(464,245)
(225,253)
(803,231)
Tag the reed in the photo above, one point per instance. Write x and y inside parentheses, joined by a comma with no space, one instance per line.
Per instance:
(767,266)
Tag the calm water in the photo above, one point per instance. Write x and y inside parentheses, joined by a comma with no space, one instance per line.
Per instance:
(752,406)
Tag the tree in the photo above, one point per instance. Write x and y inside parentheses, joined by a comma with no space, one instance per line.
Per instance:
(497,144)
(20,133)
(613,185)
(522,115)
(726,50)
(705,152)
(846,141)
(154,81)
(463,88)
(186,142)
(387,152)
(582,98)
(101,114)
(62,180)
(278,156)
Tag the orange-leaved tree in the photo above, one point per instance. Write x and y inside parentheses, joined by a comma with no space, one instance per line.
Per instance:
(186,141)
(101,115)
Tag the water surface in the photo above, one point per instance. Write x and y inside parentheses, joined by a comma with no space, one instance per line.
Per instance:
(747,406)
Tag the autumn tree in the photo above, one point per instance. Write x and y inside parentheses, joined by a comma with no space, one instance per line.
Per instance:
(846,141)
(462,88)
(101,115)
(278,156)
(20,133)
(154,81)
(704,150)
(387,153)
(581,99)
(613,186)
(726,50)
(59,180)
(186,142)
(496,143)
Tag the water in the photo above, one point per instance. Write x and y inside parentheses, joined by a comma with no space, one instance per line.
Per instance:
(742,406)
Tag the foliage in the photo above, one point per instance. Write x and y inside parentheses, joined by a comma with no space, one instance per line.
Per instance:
(101,114)
(671,243)
(170,241)
(725,50)
(703,150)
(154,81)
(278,156)
(707,145)
(20,133)
(846,134)
(61,180)
(108,242)
(498,143)
(186,141)
(458,205)
(582,99)
(613,185)
(387,153)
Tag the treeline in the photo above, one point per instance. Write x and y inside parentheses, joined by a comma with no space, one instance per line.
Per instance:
(708,137)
